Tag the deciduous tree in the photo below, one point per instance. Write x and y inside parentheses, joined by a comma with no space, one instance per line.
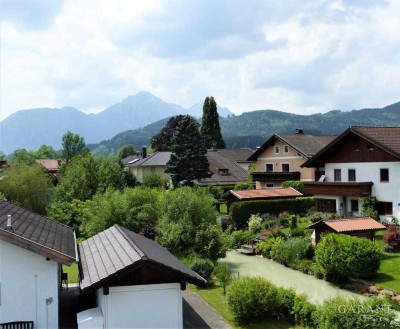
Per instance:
(72,144)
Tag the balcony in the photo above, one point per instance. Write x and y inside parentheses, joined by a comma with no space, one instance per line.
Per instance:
(276,176)
(361,189)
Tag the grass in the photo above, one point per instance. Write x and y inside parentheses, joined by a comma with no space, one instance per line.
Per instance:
(214,296)
(223,209)
(73,273)
(389,271)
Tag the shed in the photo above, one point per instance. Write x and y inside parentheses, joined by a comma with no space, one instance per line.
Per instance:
(136,281)
(263,194)
(32,249)
(357,226)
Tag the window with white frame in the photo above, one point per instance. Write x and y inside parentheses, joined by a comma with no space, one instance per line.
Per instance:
(269,167)
(276,149)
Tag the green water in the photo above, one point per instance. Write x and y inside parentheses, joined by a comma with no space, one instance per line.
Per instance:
(317,290)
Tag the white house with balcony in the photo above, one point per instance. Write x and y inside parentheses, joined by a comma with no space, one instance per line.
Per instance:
(361,162)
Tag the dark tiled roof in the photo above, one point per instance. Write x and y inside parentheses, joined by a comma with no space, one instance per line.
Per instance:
(218,163)
(387,138)
(130,159)
(155,159)
(266,193)
(238,155)
(37,233)
(308,145)
(351,224)
(117,249)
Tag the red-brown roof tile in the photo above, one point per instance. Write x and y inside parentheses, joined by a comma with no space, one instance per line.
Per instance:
(351,224)
(266,193)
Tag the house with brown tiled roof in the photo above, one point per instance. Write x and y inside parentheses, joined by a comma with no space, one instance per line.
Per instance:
(32,250)
(280,158)
(361,162)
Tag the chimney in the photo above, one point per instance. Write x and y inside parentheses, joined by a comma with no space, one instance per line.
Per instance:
(9,224)
(300,131)
(144,152)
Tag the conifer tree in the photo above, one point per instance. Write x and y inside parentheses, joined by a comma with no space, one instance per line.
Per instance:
(189,154)
(210,128)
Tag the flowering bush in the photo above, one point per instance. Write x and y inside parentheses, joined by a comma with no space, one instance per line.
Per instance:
(392,238)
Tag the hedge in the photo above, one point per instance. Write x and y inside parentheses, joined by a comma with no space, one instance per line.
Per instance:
(241,211)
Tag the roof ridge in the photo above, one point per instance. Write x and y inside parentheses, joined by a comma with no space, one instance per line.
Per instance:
(142,254)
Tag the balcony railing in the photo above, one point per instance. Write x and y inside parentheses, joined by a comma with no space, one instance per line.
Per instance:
(360,189)
(276,176)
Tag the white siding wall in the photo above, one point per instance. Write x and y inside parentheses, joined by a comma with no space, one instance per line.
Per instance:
(142,306)
(370,172)
(27,280)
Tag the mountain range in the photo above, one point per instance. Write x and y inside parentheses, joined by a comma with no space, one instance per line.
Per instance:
(31,128)
(139,117)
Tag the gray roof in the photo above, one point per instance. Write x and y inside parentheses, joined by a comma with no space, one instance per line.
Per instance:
(155,159)
(117,249)
(218,161)
(130,159)
(37,233)
(238,155)
(308,145)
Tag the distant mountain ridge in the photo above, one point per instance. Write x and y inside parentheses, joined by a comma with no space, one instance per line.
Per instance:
(251,129)
(31,128)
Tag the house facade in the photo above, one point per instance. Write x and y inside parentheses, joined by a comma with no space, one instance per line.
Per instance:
(32,250)
(361,162)
(280,158)
(154,163)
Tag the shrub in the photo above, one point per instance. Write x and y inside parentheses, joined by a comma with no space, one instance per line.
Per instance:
(392,237)
(296,184)
(303,311)
(243,186)
(252,298)
(255,223)
(297,232)
(369,207)
(343,313)
(291,251)
(285,302)
(237,238)
(223,274)
(153,180)
(264,248)
(203,267)
(240,212)
(342,256)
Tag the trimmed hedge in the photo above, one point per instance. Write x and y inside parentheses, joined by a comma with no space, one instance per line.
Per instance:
(340,256)
(241,211)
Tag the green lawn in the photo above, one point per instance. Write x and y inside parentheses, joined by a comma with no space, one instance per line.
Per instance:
(389,271)
(214,297)
(223,209)
(72,273)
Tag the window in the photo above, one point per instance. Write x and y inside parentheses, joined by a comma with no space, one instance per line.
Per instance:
(337,175)
(352,175)
(385,208)
(152,169)
(276,149)
(384,175)
(354,205)
(269,185)
(286,149)
(285,167)
(325,205)
(269,167)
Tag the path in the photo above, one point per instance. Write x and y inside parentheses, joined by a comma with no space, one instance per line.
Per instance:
(317,290)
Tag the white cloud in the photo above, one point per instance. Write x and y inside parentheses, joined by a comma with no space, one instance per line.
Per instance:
(302,57)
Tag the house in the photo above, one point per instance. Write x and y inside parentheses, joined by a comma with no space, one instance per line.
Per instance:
(51,165)
(361,162)
(154,163)
(263,194)
(137,282)
(280,158)
(227,167)
(32,249)
(362,227)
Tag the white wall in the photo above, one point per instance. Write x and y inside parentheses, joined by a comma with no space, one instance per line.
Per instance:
(142,306)
(27,280)
(370,172)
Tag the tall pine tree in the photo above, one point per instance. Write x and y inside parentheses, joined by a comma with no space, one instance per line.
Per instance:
(210,128)
(189,154)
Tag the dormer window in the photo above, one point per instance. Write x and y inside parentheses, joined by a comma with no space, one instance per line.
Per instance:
(223,171)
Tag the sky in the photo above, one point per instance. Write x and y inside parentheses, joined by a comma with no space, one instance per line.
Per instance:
(303,57)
